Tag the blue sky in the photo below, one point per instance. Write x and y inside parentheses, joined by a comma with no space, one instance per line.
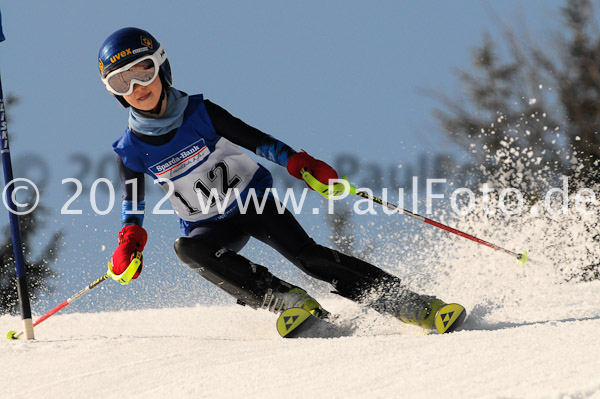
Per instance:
(331,77)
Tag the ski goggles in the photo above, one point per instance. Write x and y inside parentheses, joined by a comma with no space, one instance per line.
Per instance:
(142,71)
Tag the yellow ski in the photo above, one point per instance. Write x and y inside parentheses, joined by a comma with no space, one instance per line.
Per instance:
(291,319)
(449,317)
(300,323)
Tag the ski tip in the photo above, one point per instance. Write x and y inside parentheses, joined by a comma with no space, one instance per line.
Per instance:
(449,318)
(12,335)
(289,320)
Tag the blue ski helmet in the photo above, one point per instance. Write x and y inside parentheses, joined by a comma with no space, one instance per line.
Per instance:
(125,46)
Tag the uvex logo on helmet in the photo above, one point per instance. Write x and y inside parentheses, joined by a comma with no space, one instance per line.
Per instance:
(119,55)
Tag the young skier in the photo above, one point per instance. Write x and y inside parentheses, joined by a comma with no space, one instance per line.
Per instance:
(190,146)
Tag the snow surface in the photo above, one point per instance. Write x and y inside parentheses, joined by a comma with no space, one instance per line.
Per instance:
(545,347)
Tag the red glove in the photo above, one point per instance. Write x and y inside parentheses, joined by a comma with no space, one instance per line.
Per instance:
(132,238)
(319,169)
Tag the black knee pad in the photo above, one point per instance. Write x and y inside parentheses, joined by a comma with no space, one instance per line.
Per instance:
(246,281)
(350,276)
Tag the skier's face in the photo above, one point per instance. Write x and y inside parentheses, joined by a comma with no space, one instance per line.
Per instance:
(145,98)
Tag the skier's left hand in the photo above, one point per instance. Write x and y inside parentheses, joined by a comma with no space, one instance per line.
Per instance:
(319,169)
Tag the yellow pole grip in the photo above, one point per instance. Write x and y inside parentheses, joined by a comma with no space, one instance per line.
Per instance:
(328,191)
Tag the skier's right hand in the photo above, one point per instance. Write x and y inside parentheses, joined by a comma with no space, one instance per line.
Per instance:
(132,240)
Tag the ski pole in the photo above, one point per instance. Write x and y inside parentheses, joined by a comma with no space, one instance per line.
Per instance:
(15,335)
(345,187)
(123,278)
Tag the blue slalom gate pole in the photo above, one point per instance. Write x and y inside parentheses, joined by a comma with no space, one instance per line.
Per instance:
(22,290)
